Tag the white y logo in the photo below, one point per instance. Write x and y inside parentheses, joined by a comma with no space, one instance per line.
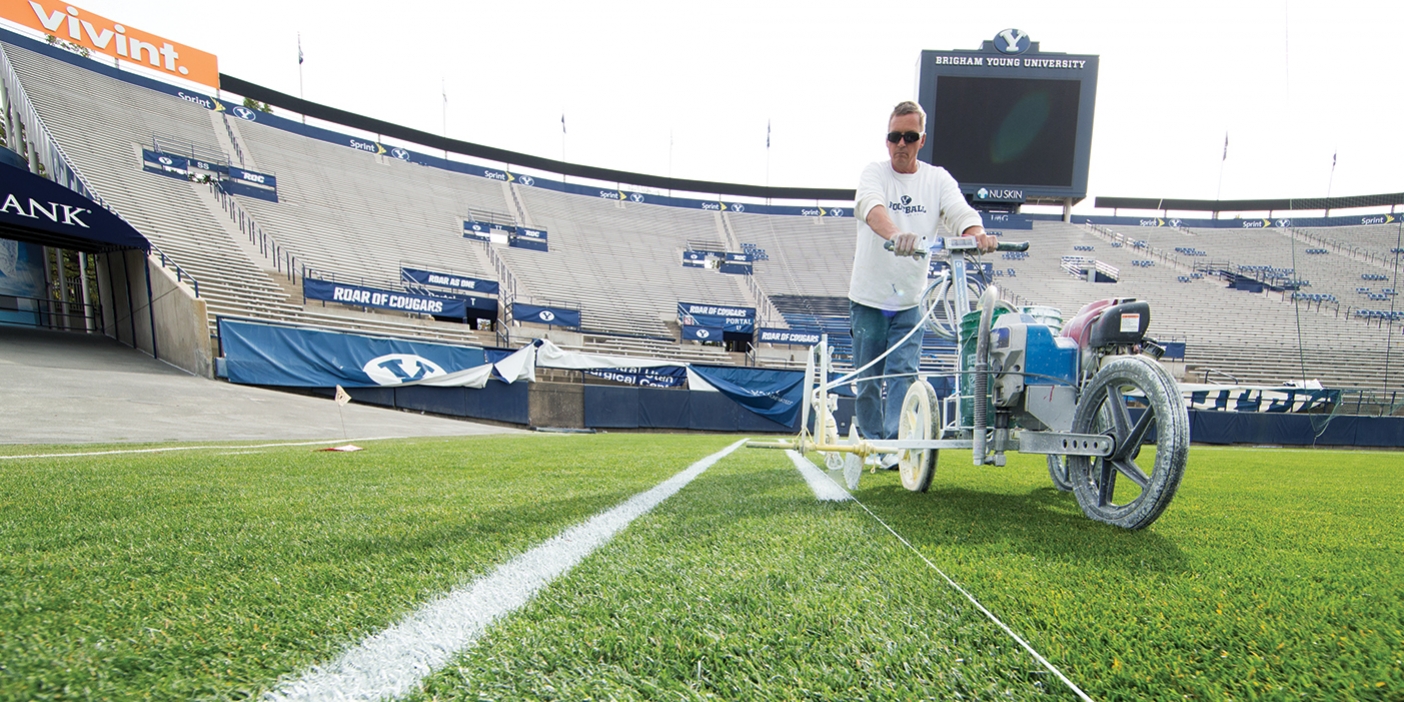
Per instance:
(1011,39)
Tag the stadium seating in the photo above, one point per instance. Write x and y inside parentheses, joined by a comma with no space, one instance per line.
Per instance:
(358,217)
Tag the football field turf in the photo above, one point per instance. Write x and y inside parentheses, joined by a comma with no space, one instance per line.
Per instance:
(221,573)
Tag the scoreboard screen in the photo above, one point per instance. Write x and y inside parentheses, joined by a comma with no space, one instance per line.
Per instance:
(1008,131)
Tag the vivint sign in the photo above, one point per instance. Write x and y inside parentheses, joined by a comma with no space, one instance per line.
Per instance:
(97,33)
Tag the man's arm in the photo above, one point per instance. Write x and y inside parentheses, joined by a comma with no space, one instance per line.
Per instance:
(903,243)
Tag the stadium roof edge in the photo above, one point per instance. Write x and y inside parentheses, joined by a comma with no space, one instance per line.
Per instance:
(376,126)
(1273,204)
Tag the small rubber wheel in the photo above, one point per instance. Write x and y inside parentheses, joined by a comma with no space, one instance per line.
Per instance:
(1130,399)
(1058,470)
(920,421)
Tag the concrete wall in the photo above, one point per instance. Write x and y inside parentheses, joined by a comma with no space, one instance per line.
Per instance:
(182,336)
(557,405)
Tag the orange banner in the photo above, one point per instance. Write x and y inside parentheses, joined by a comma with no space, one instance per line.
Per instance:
(68,23)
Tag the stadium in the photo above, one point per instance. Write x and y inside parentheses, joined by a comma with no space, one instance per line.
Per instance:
(305,404)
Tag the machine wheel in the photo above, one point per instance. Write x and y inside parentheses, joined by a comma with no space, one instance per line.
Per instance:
(1058,470)
(1117,489)
(920,421)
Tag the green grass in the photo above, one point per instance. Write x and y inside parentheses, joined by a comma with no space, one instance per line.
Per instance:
(211,574)
(743,587)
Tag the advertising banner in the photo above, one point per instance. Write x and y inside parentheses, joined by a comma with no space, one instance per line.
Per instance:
(660,377)
(118,40)
(539,314)
(250,184)
(218,168)
(449,280)
(733,319)
(695,259)
(260,354)
(527,238)
(165,164)
(382,299)
(787,336)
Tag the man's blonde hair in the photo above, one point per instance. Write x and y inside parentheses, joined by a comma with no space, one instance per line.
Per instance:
(907,107)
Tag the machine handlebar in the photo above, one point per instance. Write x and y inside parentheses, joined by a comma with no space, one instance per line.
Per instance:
(963,244)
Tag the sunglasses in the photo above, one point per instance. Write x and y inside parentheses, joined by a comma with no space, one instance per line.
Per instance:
(909,137)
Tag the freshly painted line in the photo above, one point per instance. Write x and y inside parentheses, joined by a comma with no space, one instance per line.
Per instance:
(824,488)
(1027,647)
(392,662)
(197,448)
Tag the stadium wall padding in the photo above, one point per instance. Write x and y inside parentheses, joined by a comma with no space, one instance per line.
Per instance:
(1210,427)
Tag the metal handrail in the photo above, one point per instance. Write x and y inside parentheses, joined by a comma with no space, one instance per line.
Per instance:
(57,157)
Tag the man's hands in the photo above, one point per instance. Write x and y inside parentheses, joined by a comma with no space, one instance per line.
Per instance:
(986,242)
(905,243)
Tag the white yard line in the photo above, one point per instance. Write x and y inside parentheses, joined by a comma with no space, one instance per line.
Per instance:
(824,489)
(197,448)
(391,663)
(1026,645)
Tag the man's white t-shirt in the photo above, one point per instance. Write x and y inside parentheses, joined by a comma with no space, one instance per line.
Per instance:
(917,203)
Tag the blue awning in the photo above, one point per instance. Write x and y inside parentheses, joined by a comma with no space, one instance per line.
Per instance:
(39,211)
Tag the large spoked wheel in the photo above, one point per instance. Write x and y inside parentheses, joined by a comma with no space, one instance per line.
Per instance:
(1130,399)
(920,421)
(1058,471)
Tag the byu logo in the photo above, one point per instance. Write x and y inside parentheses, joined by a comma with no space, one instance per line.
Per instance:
(397,368)
(245,113)
(637,197)
(165,161)
(400,153)
(547,316)
(738,207)
(906,200)
(527,180)
(703,333)
(836,213)
(1012,41)
(982,193)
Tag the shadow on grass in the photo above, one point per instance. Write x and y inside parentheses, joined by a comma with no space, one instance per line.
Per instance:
(1042,522)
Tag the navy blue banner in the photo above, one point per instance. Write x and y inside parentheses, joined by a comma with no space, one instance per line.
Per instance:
(219,168)
(773,394)
(527,238)
(34,203)
(695,259)
(786,336)
(660,377)
(539,314)
(250,184)
(262,354)
(696,333)
(999,220)
(733,319)
(1238,223)
(382,299)
(165,164)
(482,231)
(736,268)
(449,280)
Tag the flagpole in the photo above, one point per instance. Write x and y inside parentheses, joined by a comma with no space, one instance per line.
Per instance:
(299,73)
(1332,179)
(444,90)
(1220,191)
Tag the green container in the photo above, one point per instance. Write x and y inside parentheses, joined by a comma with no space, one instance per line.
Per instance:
(969,327)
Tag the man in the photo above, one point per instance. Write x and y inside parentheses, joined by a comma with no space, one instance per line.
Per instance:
(901,200)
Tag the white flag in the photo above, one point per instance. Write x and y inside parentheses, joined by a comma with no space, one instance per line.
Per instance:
(341,396)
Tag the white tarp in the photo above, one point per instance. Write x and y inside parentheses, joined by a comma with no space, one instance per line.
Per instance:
(522,364)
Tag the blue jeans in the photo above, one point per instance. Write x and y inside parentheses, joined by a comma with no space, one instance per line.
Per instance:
(875,330)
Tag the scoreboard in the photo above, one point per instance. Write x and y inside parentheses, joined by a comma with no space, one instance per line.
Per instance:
(1012,123)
